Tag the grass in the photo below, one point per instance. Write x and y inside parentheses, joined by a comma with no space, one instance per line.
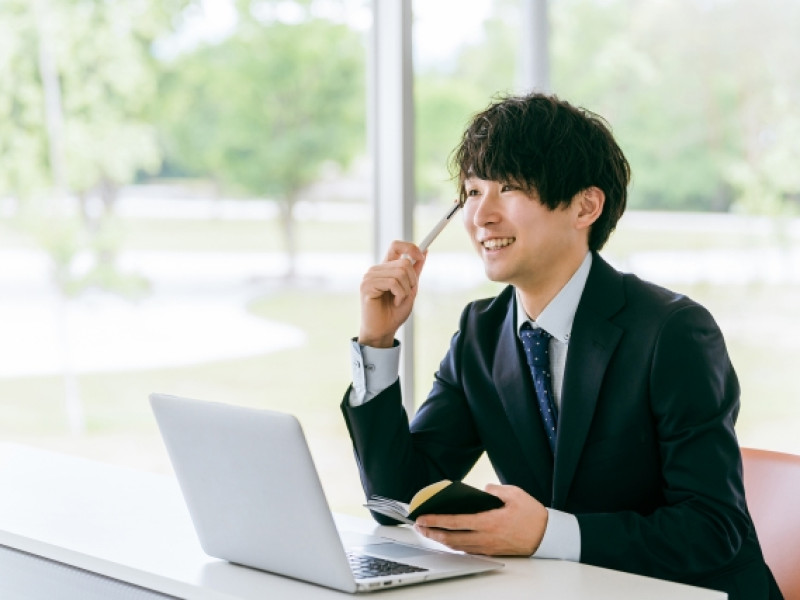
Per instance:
(309,381)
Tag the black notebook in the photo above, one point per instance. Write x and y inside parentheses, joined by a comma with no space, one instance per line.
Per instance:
(441,498)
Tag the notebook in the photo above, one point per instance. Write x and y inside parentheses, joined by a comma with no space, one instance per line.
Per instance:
(255,499)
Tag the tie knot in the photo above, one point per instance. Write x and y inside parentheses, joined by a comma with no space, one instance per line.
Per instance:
(534,333)
(537,346)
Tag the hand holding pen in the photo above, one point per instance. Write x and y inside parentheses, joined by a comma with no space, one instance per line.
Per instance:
(388,289)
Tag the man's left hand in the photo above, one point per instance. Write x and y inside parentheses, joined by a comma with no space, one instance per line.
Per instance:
(516,529)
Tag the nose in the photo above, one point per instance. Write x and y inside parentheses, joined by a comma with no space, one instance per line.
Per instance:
(485,208)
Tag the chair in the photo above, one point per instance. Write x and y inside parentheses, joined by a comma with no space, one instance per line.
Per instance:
(772,487)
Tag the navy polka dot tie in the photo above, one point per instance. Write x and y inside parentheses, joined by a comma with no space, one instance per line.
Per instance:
(537,351)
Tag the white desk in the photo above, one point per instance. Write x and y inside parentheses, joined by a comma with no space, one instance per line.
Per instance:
(132,526)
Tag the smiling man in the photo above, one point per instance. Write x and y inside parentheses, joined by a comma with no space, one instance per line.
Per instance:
(606,404)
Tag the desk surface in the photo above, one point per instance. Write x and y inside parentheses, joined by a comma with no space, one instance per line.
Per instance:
(133,526)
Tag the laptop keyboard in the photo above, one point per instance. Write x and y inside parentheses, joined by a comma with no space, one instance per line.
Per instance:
(364,566)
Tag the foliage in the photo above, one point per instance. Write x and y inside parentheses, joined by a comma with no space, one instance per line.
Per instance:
(701,95)
(690,88)
(266,109)
(22,146)
(78,82)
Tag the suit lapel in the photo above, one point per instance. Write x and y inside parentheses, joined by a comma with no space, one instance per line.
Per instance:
(591,347)
(517,396)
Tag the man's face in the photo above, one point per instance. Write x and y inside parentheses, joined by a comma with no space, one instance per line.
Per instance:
(521,241)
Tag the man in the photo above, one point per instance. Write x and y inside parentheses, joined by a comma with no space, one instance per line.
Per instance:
(615,444)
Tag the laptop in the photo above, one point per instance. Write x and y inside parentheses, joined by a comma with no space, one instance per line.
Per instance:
(255,499)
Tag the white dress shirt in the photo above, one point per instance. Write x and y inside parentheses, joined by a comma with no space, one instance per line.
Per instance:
(375,369)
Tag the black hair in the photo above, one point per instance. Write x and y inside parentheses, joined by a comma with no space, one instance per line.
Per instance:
(542,143)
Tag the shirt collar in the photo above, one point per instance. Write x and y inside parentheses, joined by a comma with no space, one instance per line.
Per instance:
(557,317)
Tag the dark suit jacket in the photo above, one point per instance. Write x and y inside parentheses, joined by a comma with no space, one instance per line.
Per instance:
(646,456)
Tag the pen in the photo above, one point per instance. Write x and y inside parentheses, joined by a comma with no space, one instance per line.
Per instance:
(437,229)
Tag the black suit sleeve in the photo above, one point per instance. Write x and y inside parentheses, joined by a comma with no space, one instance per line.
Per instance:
(396,460)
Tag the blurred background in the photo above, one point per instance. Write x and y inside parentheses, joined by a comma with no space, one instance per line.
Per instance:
(185,197)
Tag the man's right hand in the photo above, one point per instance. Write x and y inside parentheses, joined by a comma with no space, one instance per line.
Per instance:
(388,291)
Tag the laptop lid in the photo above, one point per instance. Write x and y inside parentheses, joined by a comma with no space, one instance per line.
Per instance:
(254,497)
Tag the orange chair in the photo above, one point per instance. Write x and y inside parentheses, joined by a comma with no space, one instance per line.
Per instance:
(772,487)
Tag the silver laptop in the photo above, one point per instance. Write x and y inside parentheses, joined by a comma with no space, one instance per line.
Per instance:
(255,499)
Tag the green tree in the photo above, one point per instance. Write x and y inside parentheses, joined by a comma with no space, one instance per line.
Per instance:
(696,91)
(23,168)
(79,81)
(78,78)
(263,111)
(701,95)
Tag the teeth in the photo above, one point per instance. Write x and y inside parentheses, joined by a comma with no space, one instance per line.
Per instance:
(496,243)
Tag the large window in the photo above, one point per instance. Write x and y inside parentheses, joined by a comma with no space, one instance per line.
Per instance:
(185,198)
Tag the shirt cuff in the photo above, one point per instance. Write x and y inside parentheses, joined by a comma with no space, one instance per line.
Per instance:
(562,537)
(374,370)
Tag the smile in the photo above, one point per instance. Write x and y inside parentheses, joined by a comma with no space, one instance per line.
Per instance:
(497,243)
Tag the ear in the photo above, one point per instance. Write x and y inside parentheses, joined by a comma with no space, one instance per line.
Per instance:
(589,206)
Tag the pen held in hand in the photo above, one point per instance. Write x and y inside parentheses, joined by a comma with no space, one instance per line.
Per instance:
(437,229)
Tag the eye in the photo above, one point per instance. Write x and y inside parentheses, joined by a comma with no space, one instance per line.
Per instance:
(509,187)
